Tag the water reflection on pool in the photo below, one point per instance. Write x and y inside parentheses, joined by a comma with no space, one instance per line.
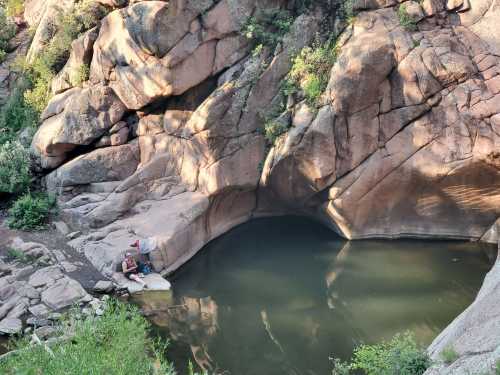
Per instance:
(282,295)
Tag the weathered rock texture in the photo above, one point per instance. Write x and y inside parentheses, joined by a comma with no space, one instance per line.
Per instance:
(473,335)
(165,140)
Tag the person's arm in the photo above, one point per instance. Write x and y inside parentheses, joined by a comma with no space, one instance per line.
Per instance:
(124,267)
(134,267)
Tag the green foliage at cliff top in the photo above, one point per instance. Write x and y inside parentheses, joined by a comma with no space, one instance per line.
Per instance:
(115,344)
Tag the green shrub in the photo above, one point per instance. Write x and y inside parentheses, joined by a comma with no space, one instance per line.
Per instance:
(31,211)
(7,32)
(405,19)
(399,356)
(16,115)
(15,176)
(14,7)
(346,11)
(81,75)
(116,343)
(273,129)
(449,355)
(267,27)
(340,368)
(311,70)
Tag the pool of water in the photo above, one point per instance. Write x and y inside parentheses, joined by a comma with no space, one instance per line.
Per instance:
(283,295)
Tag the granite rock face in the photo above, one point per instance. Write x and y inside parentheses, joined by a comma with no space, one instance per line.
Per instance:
(166,140)
(473,335)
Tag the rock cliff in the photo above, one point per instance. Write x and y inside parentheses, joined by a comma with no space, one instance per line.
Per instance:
(166,139)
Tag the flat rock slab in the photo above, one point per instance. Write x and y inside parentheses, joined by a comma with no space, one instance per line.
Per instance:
(45,276)
(39,310)
(154,281)
(10,326)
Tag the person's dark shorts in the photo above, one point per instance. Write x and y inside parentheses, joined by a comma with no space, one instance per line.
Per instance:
(128,274)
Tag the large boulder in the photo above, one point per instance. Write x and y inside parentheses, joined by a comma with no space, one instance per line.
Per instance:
(155,49)
(76,68)
(472,335)
(101,165)
(63,293)
(74,118)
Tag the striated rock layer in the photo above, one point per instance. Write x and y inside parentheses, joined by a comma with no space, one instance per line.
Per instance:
(166,139)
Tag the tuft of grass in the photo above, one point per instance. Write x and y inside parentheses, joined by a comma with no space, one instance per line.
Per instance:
(31,211)
(191,370)
(449,355)
(116,343)
(405,19)
(16,255)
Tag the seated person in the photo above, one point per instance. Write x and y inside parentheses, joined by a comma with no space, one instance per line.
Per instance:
(130,269)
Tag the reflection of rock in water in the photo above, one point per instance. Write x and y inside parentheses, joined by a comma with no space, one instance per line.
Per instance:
(189,320)
(333,273)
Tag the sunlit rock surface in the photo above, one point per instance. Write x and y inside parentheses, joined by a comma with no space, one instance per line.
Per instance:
(166,139)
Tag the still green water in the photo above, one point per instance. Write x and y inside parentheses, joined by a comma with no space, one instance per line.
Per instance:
(282,295)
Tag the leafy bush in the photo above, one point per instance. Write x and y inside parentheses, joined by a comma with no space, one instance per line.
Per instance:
(340,368)
(14,7)
(311,70)
(16,115)
(273,129)
(31,211)
(268,27)
(116,343)
(7,31)
(15,175)
(405,19)
(399,356)
(449,355)
(346,11)
(81,75)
